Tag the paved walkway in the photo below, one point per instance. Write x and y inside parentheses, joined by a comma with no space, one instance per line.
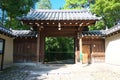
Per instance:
(37,71)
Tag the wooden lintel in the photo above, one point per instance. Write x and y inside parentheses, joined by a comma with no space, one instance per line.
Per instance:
(63,22)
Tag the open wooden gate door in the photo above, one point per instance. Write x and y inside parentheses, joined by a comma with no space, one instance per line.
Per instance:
(86,54)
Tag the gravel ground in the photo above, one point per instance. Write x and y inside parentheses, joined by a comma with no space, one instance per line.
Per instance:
(33,71)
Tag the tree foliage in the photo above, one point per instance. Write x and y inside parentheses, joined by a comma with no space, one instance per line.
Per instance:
(98,26)
(15,8)
(109,10)
(59,44)
(44,4)
(77,4)
(59,48)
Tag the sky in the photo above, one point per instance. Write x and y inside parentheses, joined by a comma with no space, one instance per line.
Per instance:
(57,4)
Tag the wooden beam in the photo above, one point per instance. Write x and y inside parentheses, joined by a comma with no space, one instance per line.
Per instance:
(63,22)
(60,35)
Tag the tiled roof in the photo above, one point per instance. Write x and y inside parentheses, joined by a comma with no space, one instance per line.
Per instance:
(113,29)
(6,31)
(60,15)
(94,33)
(24,33)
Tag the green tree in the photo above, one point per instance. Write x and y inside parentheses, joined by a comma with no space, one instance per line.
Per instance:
(59,44)
(109,10)
(77,4)
(98,26)
(44,4)
(15,8)
(59,48)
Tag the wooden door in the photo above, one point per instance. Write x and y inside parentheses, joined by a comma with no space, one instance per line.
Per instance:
(86,54)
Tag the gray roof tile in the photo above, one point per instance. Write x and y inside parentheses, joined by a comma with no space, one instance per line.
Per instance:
(113,29)
(6,31)
(24,33)
(94,33)
(60,15)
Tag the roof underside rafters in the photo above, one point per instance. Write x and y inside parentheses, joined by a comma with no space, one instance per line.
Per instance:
(62,22)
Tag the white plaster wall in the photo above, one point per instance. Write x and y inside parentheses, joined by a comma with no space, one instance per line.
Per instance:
(112,52)
(8,53)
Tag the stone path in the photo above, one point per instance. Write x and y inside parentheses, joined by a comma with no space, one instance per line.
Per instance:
(35,71)
(13,73)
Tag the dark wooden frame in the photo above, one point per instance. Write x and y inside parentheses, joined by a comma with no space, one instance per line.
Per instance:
(2,59)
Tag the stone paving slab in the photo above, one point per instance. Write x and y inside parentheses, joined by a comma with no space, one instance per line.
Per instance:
(37,71)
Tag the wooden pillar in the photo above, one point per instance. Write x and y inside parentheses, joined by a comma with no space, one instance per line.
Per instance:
(80,47)
(38,45)
(42,45)
(77,51)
